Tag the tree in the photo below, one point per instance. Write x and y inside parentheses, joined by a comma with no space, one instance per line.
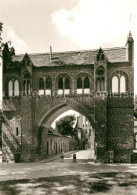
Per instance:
(65,125)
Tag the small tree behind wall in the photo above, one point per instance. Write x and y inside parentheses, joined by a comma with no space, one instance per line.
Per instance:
(65,125)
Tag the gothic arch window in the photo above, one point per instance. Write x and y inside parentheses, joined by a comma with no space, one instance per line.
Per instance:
(48,83)
(100,72)
(86,85)
(10,88)
(16,88)
(67,83)
(63,85)
(100,84)
(60,83)
(41,84)
(119,83)
(122,84)
(100,55)
(45,85)
(79,83)
(24,85)
(83,84)
(115,84)
(28,86)
(86,82)
(13,87)
(67,86)
(26,62)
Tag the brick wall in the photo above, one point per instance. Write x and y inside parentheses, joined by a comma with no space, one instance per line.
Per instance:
(26,125)
(112,117)
(121,128)
(53,144)
(100,128)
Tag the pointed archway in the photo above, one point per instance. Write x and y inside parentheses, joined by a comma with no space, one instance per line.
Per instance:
(51,114)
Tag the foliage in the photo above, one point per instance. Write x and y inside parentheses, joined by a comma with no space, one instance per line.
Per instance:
(11,49)
(135,106)
(65,125)
(1,26)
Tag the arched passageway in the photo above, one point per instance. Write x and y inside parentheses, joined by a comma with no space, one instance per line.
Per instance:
(49,142)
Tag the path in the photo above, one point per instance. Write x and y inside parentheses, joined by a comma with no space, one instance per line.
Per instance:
(84,155)
(68,177)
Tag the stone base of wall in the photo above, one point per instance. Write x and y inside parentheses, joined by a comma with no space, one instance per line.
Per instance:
(118,157)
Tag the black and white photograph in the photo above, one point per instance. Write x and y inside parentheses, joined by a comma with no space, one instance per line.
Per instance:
(68,97)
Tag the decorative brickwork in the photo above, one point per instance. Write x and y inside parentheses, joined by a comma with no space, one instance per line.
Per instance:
(100,129)
(111,115)
(120,125)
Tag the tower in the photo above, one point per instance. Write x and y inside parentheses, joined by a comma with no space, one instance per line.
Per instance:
(130,48)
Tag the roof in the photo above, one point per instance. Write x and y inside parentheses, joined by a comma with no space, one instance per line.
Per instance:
(85,57)
(53,131)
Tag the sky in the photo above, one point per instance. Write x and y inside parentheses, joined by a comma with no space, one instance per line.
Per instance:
(33,25)
(69,112)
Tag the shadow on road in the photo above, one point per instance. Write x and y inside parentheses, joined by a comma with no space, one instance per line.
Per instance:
(99,183)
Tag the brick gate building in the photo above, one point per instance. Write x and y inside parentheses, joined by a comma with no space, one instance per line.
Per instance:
(99,84)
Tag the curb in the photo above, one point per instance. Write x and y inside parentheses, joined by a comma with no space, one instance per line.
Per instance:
(58,157)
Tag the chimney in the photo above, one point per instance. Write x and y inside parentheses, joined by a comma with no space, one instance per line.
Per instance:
(50,53)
